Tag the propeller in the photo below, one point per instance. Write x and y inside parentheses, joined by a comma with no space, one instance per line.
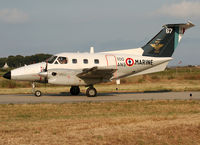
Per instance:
(46,67)
(46,72)
(46,76)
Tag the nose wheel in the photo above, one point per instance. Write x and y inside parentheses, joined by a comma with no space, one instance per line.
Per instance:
(37,93)
(91,92)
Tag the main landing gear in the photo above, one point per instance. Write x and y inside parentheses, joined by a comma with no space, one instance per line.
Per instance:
(75,90)
(91,91)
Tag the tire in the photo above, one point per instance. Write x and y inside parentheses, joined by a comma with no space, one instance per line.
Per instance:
(38,93)
(75,90)
(91,92)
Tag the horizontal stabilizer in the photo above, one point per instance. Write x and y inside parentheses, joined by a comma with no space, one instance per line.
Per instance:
(158,68)
(183,25)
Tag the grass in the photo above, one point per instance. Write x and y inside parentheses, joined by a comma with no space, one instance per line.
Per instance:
(128,122)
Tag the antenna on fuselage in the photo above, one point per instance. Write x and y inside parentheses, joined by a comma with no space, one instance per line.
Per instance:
(91,49)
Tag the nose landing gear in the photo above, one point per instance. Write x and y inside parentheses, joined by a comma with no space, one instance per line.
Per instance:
(37,93)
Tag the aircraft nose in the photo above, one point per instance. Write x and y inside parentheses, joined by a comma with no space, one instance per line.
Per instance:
(7,75)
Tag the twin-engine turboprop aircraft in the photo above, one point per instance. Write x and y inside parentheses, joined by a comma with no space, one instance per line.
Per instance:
(87,69)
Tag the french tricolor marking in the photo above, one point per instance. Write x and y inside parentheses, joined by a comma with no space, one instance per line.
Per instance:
(129,62)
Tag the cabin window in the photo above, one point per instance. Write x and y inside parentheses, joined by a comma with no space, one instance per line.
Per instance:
(56,62)
(74,60)
(96,61)
(52,59)
(85,61)
(62,60)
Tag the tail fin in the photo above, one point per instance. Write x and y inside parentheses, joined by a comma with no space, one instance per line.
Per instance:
(165,42)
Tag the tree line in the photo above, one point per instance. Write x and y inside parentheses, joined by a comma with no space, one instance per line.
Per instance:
(19,60)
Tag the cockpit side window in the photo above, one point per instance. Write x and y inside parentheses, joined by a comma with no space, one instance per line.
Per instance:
(52,59)
(62,60)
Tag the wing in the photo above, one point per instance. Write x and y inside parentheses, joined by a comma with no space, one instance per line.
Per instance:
(97,73)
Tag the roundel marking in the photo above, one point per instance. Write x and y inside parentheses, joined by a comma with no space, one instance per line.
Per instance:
(129,62)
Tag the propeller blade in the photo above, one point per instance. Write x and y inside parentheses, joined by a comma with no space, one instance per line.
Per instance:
(46,68)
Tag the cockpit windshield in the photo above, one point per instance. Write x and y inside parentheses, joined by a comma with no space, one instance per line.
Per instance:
(52,59)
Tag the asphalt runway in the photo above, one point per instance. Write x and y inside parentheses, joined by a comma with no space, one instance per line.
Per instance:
(102,97)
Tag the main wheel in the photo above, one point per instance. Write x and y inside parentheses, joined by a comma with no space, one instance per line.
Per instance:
(75,90)
(91,92)
(38,93)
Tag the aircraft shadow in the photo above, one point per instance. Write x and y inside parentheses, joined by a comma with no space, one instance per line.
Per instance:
(67,94)
(115,93)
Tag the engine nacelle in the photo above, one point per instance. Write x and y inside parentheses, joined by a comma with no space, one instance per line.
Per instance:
(63,77)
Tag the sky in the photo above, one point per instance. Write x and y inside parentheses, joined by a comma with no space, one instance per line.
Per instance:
(29,27)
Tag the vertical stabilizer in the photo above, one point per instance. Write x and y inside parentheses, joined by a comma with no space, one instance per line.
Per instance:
(166,41)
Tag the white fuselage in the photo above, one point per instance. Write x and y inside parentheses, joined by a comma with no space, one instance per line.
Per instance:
(66,74)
